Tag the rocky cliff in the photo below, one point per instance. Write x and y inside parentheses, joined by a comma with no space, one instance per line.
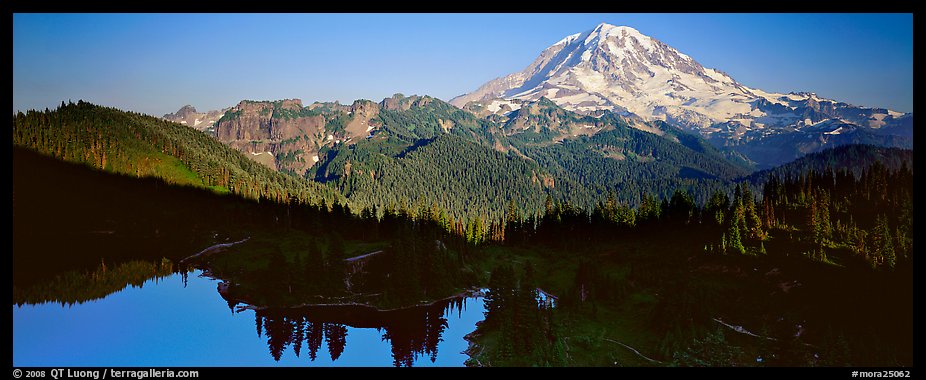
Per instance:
(288,136)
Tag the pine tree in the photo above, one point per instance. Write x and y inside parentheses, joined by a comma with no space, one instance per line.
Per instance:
(717,206)
(735,241)
(885,244)
(753,222)
(813,222)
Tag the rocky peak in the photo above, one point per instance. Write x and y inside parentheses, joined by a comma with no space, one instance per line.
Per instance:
(187,115)
(619,69)
(392,103)
(399,102)
(329,106)
(251,105)
(364,107)
(182,113)
(291,103)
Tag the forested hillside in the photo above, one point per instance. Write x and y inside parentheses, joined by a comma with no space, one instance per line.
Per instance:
(615,203)
(632,163)
(854,158)
(432,156)
(144,146)
(429,152)
(802,276)
(809,259)
(466,179)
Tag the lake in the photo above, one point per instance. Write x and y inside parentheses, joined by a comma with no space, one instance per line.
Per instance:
(172,321)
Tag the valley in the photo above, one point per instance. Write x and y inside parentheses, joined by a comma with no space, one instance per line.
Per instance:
(617,281)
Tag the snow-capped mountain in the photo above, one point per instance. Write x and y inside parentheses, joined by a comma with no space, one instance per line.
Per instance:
(619,69)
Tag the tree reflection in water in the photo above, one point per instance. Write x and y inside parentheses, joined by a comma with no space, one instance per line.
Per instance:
(413,332)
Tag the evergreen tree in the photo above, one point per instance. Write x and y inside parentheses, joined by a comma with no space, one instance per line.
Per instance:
(884,242)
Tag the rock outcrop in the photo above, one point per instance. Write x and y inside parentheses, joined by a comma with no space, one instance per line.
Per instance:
(203,121)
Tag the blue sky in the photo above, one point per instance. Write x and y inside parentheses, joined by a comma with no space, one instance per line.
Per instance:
(156,63)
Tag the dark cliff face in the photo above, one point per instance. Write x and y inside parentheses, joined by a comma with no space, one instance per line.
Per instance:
(255,121)
(284,129)
(286,135)
(292,133)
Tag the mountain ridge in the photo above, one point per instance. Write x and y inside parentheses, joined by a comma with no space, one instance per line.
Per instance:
(202,121)
(619,69)
(409,164)
(130,143)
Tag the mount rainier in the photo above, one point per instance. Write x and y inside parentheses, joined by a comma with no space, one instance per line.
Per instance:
(618,69)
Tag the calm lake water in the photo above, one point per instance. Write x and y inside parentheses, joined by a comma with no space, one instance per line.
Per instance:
(168,323)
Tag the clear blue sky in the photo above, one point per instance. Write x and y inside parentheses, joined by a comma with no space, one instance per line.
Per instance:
(156,63)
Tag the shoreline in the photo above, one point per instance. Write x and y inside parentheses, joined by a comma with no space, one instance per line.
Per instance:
(249,305)
(217,248)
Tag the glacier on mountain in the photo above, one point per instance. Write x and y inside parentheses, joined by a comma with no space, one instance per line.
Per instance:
(619,69)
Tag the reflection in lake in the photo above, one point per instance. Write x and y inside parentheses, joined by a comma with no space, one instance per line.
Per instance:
(81,286)
(178,321)
(413,333)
